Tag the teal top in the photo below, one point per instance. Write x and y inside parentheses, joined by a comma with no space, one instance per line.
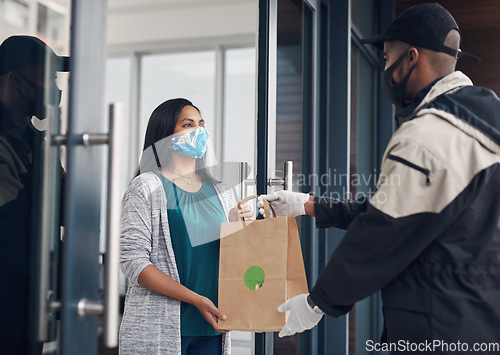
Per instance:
(194,220)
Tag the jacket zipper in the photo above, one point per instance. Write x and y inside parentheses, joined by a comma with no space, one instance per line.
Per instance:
(424,171)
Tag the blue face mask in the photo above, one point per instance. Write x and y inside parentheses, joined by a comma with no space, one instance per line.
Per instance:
(192,144)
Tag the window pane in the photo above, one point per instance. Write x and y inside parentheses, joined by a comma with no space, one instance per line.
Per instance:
(15,13)
(165,76)
(289,113)
(50,25)
(239,110)
(363,17)
(117,90)
(363,176)
(289,87)
(118,82)
(362,124)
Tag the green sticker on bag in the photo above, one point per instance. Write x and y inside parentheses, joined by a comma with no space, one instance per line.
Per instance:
(254,277)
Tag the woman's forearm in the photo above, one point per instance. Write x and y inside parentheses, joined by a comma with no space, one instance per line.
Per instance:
(157,281)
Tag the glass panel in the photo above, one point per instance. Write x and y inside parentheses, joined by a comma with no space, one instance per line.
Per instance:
(50,25)
(117,90)
(363,16)
(193,55)
(362,125)
(239,114)
(118,82)
(189,75)
(363,178)
(15,13)
(239,138)
(31,173)
(289,109)
(289,86)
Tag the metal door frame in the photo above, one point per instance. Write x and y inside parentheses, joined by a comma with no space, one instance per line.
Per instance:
(266,125)
(84,179)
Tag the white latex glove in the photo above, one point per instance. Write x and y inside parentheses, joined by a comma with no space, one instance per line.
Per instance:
(302,316)
(285,203)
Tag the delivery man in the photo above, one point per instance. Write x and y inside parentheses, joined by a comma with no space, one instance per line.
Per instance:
(431,242)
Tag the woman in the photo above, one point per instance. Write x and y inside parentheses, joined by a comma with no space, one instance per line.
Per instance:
(170,248)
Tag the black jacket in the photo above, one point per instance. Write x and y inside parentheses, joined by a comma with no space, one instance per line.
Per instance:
(429,238)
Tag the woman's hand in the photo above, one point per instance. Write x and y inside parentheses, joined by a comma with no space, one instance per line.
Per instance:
(210,312)
(245,213)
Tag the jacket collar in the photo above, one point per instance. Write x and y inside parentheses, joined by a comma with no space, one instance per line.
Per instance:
(443,85)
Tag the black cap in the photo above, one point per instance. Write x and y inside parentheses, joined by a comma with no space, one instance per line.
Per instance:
(20,51)
(424,25)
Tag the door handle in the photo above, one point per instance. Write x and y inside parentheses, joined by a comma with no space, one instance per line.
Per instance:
(112,260)
(286,182)
(110,306)
(244,182)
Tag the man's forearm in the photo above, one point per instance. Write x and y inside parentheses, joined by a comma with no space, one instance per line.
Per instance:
(335,212)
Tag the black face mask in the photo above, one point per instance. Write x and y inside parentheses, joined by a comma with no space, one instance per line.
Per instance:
(395,92)
(43,95)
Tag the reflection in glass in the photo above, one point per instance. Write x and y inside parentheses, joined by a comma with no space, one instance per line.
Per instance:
(362,15)
(50,25)
(28,114)
(28,89)
(15,12)
(363,176)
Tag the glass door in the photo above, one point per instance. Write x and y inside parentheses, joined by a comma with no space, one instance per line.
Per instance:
(211,62)
(86,147)
(286,89)
(32,35)
(53,135)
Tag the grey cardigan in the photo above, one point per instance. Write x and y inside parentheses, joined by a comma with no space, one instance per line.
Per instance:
(151,321)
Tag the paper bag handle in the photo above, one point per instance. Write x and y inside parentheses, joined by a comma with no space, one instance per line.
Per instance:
(267,205)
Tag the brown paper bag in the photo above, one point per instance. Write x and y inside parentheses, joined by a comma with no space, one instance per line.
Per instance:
(260,267)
